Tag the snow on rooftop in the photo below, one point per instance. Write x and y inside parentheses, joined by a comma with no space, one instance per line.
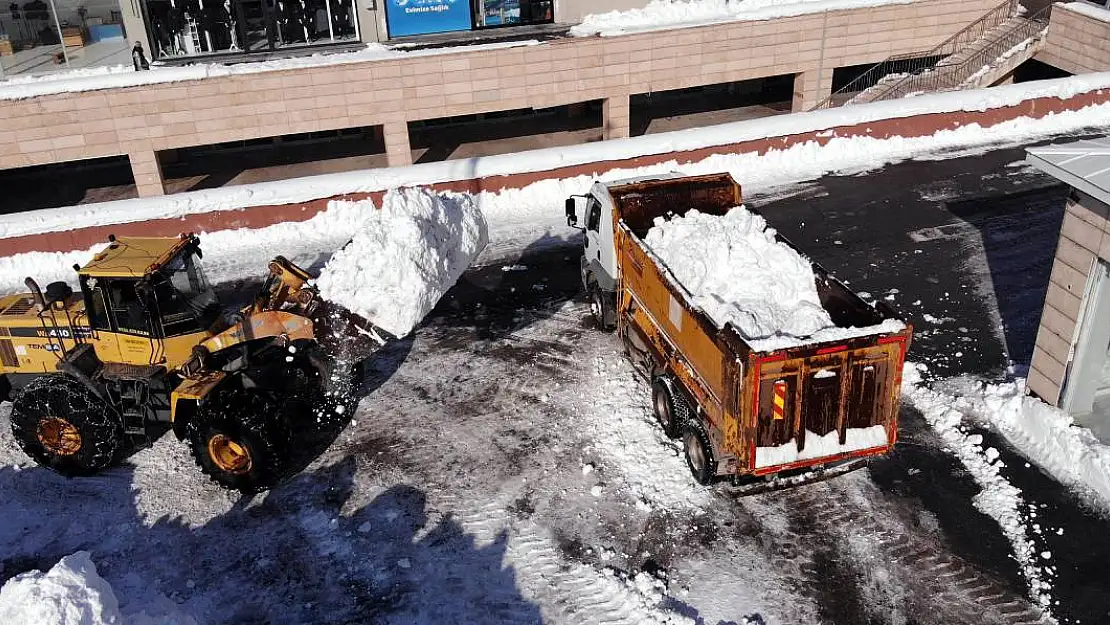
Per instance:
(119,76)
(1089,9)
(404,257)
(667,14)
(739,273)
(1083,164)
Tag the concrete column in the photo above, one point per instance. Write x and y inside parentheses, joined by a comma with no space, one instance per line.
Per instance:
(398,150)
(148,173)
(615,117)
(811,88)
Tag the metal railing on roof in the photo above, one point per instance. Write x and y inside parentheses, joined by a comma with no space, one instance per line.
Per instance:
(918,62)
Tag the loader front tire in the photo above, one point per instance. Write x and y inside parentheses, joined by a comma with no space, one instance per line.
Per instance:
(239,438)
(699,451)
(62,425)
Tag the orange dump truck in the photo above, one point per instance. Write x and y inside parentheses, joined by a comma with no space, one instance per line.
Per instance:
(740,412)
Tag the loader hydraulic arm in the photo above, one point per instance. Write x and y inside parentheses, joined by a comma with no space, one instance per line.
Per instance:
(287,283)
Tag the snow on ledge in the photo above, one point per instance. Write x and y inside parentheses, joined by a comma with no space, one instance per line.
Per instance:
(1090,10)
(120,76)
(671,14)
(306,189)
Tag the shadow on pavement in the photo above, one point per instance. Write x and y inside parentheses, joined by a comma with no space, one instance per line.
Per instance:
(308,551)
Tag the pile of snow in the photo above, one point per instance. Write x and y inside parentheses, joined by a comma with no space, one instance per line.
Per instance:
(739,273)
(818,446)
(119,76)
(1090,10)
(404,257)
(998,499)
(665,14)
(71,593)
(1042,433)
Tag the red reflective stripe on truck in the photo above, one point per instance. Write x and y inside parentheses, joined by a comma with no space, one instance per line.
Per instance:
(829,350)
(887,340)
(779,411)
(772,358)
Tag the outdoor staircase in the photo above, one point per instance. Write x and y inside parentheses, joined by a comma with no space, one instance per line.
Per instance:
(978,56)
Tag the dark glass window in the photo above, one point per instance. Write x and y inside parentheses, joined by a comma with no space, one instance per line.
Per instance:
(593,222)
(95,306)
(496,13)
(186,301)
(126,307)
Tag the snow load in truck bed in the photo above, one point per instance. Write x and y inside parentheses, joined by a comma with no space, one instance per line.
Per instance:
(404,257)
(738,272)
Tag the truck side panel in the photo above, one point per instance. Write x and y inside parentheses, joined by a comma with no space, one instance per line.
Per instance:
(652,303)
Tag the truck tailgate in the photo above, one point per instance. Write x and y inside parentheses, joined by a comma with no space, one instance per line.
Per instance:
(835,403)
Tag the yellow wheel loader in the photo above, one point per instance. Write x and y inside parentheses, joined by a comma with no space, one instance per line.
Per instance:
(91,374)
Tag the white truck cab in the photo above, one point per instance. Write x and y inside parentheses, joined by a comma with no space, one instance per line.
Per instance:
(593,214)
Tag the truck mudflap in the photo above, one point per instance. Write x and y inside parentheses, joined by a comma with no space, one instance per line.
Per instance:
(834,405)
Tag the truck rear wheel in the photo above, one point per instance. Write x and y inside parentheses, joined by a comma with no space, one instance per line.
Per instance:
(602,308)
(62,425)
(671,410)
(699,451)
(239,439)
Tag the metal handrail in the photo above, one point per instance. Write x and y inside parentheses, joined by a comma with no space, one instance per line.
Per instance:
(955,74)
(917,62)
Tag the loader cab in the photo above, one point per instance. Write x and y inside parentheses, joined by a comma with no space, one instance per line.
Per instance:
(140,294)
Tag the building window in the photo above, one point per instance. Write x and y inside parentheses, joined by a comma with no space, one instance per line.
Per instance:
(496,13)
(194,27)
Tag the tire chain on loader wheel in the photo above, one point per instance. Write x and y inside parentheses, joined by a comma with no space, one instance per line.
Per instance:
(240,438)
(665,396)
(61,424)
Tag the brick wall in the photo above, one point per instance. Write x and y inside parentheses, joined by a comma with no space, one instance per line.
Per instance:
(141,121)
(1076,43)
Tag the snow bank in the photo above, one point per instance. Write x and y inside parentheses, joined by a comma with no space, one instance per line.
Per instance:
(119,76)
(998,499)
(738,272)
(1090,10)
(70,593)
(668,14)
(800,162)
(818,446)
(404,257)
(1042,433)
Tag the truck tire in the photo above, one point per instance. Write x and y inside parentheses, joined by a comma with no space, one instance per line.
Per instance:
(239,438)
(699,451)
(602,308)
(62,425)
(671,410)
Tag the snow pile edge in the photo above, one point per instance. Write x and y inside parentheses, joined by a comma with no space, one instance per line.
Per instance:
(404,257)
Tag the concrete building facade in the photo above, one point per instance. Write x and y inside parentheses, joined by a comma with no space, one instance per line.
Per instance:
(144,122)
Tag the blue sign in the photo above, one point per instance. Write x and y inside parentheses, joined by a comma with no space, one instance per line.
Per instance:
(421,17)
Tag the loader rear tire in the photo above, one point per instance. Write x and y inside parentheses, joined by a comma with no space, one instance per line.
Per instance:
(671,410)
(62,425)
(240,438)
(699,451)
